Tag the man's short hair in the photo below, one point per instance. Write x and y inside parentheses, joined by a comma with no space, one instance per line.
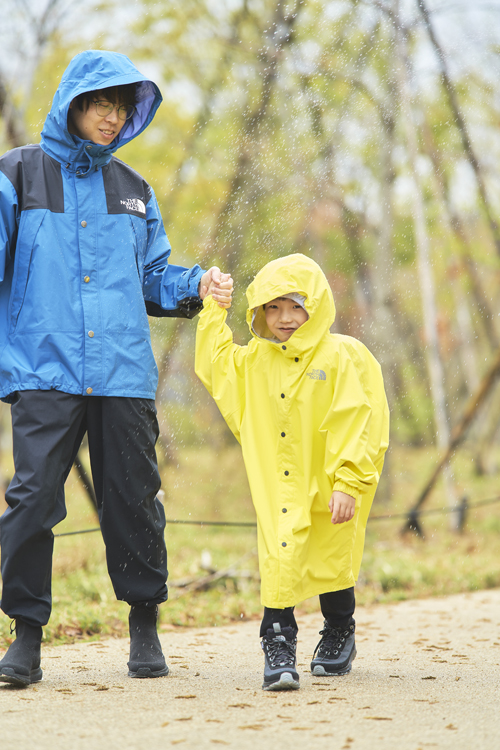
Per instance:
(114,94)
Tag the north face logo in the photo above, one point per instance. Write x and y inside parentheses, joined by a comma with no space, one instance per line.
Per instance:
(134,204)
(316,375)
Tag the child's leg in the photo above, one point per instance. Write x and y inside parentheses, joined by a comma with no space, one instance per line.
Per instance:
(338,608)
(336,650)
(284,617)
(279,643)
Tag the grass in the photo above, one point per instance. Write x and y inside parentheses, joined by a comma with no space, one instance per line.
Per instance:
(209,485)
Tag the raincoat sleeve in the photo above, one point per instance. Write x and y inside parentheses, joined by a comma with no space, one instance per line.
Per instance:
(220,364)
(357,422)
(168,289)
(8,223)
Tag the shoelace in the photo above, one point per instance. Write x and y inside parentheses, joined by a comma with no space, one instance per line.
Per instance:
(281,653)
(332,641)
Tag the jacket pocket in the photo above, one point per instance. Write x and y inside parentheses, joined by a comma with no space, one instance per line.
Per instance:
(29,226)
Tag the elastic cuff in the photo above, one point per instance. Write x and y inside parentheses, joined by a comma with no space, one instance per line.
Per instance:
(340,486)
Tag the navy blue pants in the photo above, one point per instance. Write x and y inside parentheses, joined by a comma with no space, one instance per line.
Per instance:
(337,608)
(48,427)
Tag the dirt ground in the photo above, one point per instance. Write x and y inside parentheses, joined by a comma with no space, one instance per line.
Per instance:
(427,676)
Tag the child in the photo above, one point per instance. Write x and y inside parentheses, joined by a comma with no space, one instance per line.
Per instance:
(83,258)
(310,412)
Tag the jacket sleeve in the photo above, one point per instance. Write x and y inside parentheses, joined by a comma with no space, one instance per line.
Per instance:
(8,223)
(357,422)
(168,290)
(220,364)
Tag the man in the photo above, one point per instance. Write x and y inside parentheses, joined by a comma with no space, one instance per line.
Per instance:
(83,259)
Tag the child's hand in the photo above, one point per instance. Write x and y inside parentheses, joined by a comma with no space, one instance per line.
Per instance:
(342,507)
(219,285)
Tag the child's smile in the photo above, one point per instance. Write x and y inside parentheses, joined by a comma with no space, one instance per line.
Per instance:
(284,316)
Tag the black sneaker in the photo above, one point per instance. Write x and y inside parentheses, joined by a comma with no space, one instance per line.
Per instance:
(146,656)
(335,652)
(21,664)
(280,646)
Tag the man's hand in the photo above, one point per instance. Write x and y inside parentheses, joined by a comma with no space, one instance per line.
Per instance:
(342,507)
(219,285)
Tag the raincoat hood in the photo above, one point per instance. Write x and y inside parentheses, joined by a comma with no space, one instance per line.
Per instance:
(90,71)
(292,273)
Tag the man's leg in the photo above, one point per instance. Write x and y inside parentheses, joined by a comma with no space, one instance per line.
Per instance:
(47,430)
(122,435)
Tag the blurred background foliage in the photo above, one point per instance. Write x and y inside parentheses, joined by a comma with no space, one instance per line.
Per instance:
(363,133)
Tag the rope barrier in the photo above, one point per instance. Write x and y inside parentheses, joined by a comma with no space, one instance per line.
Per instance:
(253,524)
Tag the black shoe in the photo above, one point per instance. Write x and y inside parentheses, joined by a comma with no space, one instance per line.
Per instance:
(335,652)
(21,664)
(146,656)
(280,646)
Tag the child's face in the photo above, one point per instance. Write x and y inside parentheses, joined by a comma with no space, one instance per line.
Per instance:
(284,316)
(91,126)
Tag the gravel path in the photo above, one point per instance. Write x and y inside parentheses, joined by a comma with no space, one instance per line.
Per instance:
(427,676)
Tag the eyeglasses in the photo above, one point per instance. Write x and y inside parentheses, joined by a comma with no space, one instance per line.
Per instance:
(124,111)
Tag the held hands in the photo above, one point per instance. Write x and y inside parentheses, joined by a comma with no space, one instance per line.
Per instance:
(342,507)
(218,284)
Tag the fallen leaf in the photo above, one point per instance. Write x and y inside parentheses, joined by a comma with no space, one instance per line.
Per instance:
(379,718)
(257,727)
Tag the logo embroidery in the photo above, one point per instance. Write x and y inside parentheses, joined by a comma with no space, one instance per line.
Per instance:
(316,375)
(134,204)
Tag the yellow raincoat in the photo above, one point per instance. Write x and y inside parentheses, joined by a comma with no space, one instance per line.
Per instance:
(311,416)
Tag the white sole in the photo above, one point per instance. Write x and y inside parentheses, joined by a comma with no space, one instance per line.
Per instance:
(285,682)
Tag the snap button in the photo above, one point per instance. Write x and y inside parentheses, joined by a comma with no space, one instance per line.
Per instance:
(89,147)
(283,510)
(287,473)
(296,359)
(282,434)
(91,334)
(83,223)
(89,390)
(282,395)
(283,544)
(284,348)
(86,279)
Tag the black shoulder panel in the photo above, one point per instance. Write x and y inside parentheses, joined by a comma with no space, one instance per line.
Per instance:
(36,178)
(126,191)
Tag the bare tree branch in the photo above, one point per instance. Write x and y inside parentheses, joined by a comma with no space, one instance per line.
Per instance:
(461,124)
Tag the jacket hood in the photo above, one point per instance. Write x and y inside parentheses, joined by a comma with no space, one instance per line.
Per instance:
(292,273)
(90,71)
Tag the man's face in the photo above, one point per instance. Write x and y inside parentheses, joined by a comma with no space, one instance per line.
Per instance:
(284,316)
(89,126)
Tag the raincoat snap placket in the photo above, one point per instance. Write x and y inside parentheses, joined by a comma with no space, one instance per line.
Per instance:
(87,191)
(311,416)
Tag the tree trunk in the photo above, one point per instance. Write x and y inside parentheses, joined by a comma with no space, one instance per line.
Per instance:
(424,264)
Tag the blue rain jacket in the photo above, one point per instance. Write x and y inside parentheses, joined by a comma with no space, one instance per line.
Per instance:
(83,253)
